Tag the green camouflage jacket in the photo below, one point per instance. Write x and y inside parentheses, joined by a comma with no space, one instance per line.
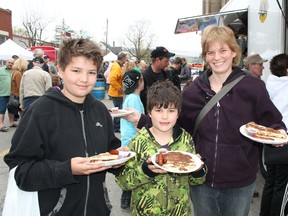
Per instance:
(163,194)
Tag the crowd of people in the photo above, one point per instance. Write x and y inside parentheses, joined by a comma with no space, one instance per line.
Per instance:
(22,82)
(67,125)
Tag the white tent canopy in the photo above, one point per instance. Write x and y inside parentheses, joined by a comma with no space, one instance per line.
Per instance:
(110,57)
(10,48)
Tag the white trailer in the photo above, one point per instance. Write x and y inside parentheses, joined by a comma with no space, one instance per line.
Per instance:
(260,26)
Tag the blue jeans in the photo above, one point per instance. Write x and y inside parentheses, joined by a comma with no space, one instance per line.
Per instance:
(117,103)
(29,100)
(3,104)
(210,201)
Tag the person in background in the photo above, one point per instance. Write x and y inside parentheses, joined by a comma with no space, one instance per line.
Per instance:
(185,73)
(155,191)
(142,65)
(254,65)
(128,65)
(16,116)
(173,71)
(232,159)
(133,84)
(59,132)
(107,75)
(19,67)
(38,53)
(104,67)
(56,81)
(156,70)
(5,91)
(275,194)
(51,66)
(137,62)
(15,57)
(34,83)
(115,88)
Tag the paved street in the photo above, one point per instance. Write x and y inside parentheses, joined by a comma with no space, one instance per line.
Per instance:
(113,189)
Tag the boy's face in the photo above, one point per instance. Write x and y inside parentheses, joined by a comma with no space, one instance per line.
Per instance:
(163,120)
(79,78)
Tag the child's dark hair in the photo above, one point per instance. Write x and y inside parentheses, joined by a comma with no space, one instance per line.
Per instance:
(163,94)
(80,47)
(279,65)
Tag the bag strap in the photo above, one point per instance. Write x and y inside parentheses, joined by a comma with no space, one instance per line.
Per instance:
(213,101)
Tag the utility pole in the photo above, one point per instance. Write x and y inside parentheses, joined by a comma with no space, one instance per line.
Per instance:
(106,35)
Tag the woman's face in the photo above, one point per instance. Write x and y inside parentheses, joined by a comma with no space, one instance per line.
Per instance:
(220,57)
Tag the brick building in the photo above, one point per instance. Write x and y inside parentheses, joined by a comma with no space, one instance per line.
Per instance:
(212,6)
(5,25)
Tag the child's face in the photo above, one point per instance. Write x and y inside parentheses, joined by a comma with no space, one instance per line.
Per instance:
(79,78)
(162,119)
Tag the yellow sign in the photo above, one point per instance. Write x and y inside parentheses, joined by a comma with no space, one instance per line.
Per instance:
(263,10)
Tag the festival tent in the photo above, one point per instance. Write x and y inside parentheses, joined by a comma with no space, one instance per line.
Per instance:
(110,57)
(10,48)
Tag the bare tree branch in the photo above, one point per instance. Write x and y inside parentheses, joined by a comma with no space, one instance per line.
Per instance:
(138,40)
(35,23)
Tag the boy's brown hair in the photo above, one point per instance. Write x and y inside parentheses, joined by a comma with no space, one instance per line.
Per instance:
(163,94)
(80,47)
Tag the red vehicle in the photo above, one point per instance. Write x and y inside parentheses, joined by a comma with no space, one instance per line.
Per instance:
(48,50)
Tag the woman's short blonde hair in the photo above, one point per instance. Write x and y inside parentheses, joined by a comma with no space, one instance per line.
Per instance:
(129,65)
(20,64)
(221,34)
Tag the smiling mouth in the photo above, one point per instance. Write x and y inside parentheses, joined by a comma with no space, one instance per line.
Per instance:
(218,63)
(164,123)
(81,86)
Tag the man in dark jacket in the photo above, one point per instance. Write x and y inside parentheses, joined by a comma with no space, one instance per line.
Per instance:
(155,71)
(185,74)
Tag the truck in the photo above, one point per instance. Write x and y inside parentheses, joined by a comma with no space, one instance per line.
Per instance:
(260,26)
(51,51)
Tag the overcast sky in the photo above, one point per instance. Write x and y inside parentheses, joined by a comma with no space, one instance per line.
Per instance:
(91,16)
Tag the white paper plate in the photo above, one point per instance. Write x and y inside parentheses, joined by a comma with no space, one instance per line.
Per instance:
(197,160)
(121,113)
(275,141)
(118,161)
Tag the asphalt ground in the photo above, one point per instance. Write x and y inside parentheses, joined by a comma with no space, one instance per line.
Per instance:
(114,190)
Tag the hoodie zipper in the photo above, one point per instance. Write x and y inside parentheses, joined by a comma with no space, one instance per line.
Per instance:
(216,141)
(86,153)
